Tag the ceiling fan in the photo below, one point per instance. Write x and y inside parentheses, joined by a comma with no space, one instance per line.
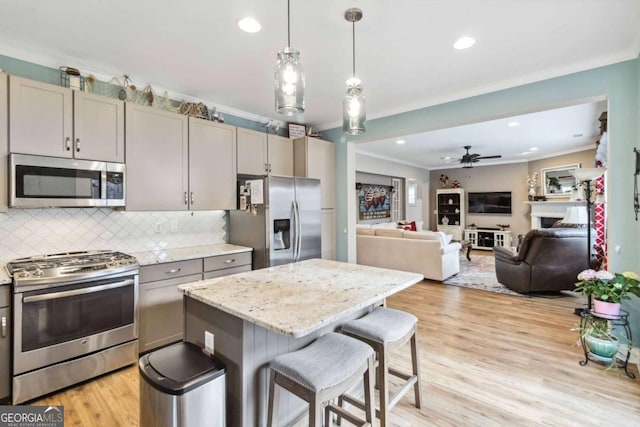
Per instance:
(468,159)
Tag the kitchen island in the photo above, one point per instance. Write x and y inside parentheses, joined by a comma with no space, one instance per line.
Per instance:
(258,315)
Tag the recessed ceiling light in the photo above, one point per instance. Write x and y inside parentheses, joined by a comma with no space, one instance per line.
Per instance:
(464,43)
(577,135)
(513,124)
(445,158)
(249,25)
(533,149)
(400,141)
(526,152)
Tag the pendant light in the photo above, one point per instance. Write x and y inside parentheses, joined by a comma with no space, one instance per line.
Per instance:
(289,78)
(354,115)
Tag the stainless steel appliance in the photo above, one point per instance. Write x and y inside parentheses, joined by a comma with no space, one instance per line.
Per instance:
(75,316)
(5,342)
(40,181)
(280,218)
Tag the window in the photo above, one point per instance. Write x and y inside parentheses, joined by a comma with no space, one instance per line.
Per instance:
(412,192)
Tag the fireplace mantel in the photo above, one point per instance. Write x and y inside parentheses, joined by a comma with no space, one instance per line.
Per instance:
(550,209)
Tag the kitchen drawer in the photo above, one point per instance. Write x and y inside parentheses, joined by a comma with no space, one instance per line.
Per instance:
(226,271)
(227,261)
(169,270)
(5,295)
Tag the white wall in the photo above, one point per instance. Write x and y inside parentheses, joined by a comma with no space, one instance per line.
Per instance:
(389,168)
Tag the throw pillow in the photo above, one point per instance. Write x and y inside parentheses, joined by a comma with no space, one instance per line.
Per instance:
(413,226)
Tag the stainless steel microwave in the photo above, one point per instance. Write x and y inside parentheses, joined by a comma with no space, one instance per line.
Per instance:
(40,181)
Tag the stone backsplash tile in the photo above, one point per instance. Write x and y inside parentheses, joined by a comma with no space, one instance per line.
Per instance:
(28,232)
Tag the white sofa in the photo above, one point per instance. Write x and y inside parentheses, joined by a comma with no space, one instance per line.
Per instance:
(426,252)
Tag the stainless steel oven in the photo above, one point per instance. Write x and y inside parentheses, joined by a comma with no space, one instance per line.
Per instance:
(74,316)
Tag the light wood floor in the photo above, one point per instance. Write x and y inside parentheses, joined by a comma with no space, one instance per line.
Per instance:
(487,360)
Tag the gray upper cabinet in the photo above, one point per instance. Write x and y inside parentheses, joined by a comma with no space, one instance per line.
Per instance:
(43,120)
(98,127)
(175,162)
(157,159)
(280,155)
(212,165)
(315,158)
(262,154)
(252,152)
(4,142)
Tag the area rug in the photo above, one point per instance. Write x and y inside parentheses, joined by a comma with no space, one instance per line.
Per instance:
(479,273)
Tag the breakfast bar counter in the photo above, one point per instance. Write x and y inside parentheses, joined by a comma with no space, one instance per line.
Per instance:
(258,315)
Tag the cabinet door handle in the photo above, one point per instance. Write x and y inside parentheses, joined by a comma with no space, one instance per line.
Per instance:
(4,327)
(269,168)
(229,261)
(186,200)
(266,167)
(174,271)
(78,145)
(67,142)
(192,199)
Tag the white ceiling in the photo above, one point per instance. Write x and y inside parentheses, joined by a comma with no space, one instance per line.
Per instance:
(548,133)
(404,47)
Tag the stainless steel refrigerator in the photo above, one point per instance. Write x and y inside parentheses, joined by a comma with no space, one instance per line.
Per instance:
(285,226)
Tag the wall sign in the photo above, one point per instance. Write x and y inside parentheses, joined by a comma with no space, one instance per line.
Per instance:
(297,130)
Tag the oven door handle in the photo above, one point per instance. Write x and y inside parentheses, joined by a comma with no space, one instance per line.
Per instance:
(82,291)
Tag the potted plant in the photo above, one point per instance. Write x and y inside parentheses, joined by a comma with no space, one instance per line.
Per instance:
(595,335)
(608,289)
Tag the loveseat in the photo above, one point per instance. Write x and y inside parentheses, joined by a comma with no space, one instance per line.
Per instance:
(425,252)
(549,259)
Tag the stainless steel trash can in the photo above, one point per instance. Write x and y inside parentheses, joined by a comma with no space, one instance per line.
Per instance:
(181,386)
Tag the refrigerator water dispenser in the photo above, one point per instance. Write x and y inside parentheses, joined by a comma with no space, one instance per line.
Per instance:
(281,234)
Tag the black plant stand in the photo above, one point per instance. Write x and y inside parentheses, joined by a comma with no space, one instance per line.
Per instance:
(622,319)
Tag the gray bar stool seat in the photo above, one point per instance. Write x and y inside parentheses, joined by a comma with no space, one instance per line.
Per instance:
(322,371)
(386,329)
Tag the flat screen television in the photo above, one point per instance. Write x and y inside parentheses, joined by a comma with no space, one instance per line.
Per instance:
(491,202)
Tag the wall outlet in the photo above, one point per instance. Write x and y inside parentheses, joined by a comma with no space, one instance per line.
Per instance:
(174,225)
(208,342)
(157,227)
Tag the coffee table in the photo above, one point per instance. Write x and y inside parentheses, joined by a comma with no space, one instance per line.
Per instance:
(465,244)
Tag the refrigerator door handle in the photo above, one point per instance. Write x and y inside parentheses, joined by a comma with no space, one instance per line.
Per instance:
(294,230)
(298,229)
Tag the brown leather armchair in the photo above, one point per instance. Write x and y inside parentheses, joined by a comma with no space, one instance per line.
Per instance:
(549,259)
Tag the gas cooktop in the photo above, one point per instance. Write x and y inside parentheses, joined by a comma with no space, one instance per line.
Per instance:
(69,265)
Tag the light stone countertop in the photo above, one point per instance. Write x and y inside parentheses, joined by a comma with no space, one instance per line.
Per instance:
(300,298)
(4,276)
(191,252)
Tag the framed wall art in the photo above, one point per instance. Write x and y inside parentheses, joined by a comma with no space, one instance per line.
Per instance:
(374,201)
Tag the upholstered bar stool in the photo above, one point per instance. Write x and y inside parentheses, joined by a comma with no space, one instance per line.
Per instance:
(322,371)
(386,329)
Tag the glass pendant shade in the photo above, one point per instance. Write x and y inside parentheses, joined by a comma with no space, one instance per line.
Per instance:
(289,83)
(354,112)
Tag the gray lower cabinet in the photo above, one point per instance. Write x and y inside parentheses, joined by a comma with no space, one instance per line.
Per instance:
(160,301)
(161,313)
(224,265)
(5,342)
